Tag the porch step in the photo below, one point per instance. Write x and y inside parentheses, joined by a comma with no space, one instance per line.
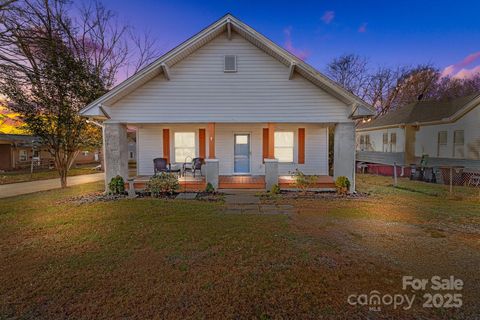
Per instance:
(241,182)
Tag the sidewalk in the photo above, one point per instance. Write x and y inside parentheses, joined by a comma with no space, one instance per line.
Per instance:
(15,189)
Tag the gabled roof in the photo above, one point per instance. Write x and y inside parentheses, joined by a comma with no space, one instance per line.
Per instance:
(227,23)
(425,112)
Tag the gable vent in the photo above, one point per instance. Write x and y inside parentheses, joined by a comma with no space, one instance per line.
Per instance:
(230,64)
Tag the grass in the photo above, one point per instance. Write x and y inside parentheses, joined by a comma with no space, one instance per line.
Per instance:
(22,176)
(147,258)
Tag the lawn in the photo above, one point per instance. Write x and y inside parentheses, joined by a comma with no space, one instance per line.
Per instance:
(150,258)
(22,176)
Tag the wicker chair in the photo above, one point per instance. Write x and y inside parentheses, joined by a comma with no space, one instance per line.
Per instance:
(161,165)
(196,165)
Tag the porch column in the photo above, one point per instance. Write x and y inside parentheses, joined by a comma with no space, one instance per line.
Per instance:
(115,151)
(271,164)
(211,140)
(212,166)
(271,140)
(344,152)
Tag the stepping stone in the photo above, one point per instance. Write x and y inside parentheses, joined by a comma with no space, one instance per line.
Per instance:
(186,196)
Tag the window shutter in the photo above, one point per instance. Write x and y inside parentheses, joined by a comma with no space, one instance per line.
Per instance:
(202,146)
(166,144)
(265,144)
(301,145)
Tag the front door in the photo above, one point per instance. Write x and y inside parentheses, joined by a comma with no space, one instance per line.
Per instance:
(242,153)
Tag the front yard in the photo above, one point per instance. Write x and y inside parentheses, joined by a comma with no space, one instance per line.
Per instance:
(151,258)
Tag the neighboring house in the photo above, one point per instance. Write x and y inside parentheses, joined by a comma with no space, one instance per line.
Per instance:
(17,152)
(448,132)
(233,97)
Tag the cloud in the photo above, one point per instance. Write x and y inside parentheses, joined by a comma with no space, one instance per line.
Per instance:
(328,16)
(459,70)
(467,73)
(302,54)
(363,28)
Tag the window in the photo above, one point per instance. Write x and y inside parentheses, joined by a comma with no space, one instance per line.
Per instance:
(393,142)
(23,155)
(385,142)
(284,146)
(442,144)
(230,64)
(85,153)
(364,142)
(36,154)
(184,144)
(458,144)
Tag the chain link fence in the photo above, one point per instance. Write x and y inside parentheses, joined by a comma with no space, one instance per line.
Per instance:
(448,181)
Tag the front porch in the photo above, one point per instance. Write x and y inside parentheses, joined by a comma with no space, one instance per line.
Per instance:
(199,183)
(236,156)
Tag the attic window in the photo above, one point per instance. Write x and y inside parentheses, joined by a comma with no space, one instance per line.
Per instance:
(230,64)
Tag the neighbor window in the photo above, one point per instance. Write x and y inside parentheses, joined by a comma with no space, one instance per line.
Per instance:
(284,146)
(393,142)
(385,142)
(458,144)
(364,142)
(22,155)
(442,144)
(184,144)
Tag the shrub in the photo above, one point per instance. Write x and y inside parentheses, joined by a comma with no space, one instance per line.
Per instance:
(117,185)
(209,188)
(302,181)
(342,184)
(162,183)
(275,189)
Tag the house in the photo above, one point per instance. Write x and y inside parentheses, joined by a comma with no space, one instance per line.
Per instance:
(251,109)
(447,132)
(17,151)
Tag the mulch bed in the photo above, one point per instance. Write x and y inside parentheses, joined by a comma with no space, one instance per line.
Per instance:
(285,195)
(102,197)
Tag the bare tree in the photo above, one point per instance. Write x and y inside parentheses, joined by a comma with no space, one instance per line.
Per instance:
(54,61)
(351,72)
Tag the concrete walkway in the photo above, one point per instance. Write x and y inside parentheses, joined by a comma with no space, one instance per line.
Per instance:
(15,189)
(247,202)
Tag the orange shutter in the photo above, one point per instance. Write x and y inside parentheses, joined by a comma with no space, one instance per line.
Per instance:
(265,144)
(301,145)
(166,144)
(202,146)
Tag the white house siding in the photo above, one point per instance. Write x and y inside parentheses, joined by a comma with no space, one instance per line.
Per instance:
(376,139)
(427,137)
(200,91)
(150,146)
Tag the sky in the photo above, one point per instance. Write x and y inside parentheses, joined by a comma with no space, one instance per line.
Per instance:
(388,33)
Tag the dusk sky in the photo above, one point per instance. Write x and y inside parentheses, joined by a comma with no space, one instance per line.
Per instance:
(389,33)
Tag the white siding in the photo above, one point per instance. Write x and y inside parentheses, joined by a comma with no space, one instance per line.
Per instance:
(316,146)
(427,136)
(200,91)
(376,139)
(150,146)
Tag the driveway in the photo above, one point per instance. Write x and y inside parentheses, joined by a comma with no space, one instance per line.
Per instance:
(15,189)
